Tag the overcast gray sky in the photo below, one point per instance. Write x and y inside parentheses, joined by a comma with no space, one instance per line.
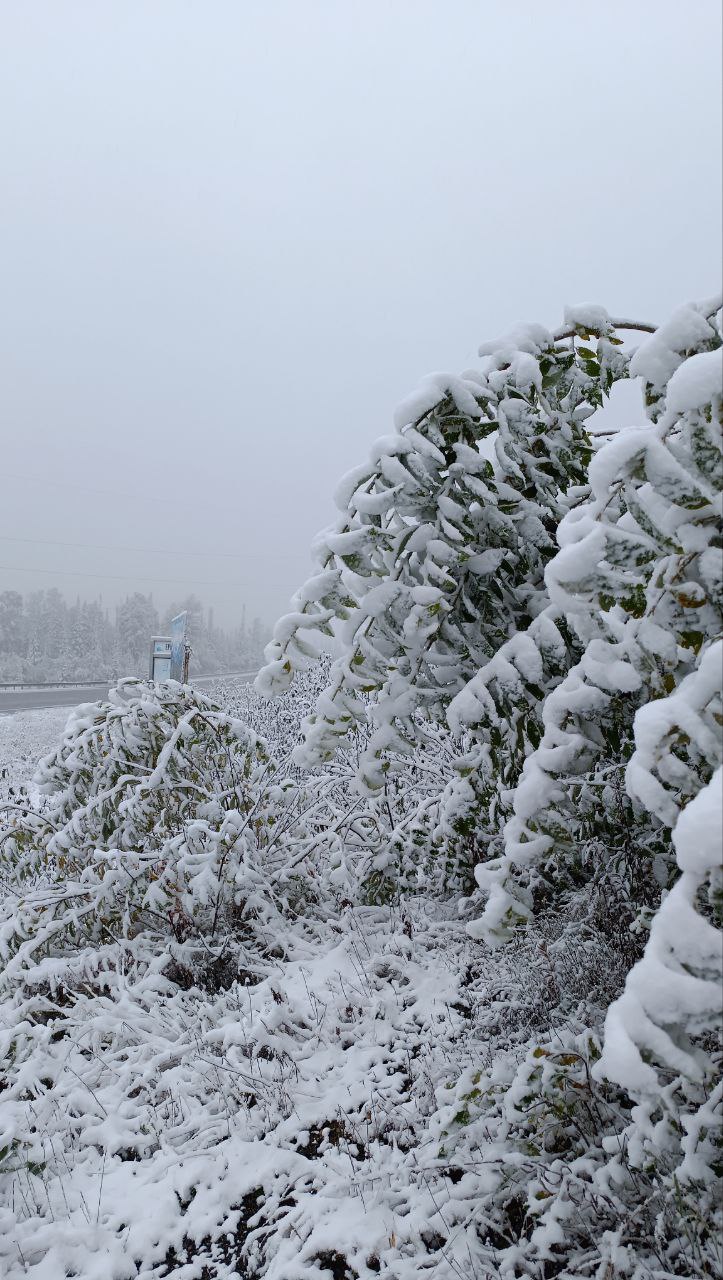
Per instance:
(233,235)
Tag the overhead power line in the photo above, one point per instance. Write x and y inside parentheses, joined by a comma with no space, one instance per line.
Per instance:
(105,546)
(122,577)
(109,493)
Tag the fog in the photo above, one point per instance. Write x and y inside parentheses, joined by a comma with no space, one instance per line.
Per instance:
(234,235)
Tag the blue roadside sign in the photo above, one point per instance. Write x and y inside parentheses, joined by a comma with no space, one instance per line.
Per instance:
(178,646)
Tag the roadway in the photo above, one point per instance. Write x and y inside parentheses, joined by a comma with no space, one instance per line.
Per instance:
(12,700)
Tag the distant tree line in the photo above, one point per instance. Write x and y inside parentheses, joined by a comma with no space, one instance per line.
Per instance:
(44,637)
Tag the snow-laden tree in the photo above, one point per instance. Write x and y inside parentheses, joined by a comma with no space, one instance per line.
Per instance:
(439,556)
(434,584)
(44,638)
(11,621)
(136,622)
(584,685)
(626,776)
(638,581)
(662,1032)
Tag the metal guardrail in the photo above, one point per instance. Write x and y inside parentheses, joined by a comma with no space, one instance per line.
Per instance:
(105,684)
(58,684)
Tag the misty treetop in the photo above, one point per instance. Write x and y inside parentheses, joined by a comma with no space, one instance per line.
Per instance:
(45,637)
(413,968)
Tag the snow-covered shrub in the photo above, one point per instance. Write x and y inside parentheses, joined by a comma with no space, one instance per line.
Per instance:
(663,1034)
(638,579)
(436,567)
(583,686)
(163,831)
(439,556)
(436,582)
(389,838)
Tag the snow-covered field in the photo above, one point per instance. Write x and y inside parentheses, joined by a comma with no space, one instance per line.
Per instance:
(303,1124)
(290,1125)
(24,738)
(375,1094)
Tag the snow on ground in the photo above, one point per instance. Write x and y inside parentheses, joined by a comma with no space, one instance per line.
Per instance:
(378,1095)
(295,1126)
(24,738)
(308,1095)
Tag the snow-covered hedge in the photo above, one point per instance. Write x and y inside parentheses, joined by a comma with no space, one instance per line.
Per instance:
(583,681)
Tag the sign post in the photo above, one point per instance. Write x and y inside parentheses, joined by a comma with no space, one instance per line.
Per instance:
(180,649)
(160,659)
